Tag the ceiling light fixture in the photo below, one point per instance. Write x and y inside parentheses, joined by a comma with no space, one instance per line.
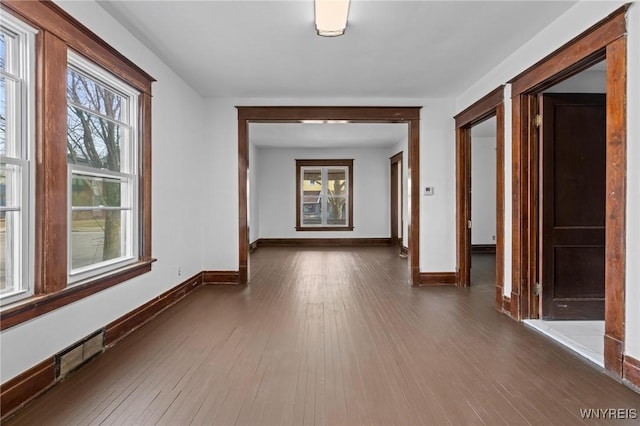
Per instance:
(331,17)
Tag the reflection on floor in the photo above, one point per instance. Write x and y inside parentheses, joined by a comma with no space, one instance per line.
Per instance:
(583,337)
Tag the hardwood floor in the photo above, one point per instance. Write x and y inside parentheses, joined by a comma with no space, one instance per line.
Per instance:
(332,336)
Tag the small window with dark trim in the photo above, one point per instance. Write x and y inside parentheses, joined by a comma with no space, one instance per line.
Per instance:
(324,195)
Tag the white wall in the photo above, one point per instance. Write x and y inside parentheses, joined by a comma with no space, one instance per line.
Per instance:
(585,82)
(437,218)
(483,189)
(276,185)
(177,210)
(403,146)
(254,204)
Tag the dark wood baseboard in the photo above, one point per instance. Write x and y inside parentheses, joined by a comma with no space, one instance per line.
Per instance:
(613,357)
(279,242)
(16,392)
(631,372)
(220,277)
(404,251)
(438,278)
(483,248)
(134,319)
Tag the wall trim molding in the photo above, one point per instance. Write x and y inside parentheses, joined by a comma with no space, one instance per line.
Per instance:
(129,322)
(17,392)
(631,373)
(220,277)
(311,242)
(438,278)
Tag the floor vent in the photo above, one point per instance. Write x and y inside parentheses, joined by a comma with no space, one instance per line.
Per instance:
(79,353)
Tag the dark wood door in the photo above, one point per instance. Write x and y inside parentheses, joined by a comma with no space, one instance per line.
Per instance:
(573,147)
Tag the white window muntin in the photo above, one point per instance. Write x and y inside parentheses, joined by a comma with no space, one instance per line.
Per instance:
(129,227)
(323,196)
(19,75)
(129,161)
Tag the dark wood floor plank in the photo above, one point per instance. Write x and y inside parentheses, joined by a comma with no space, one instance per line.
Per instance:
(333,336)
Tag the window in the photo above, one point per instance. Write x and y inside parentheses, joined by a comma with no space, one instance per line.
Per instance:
(77,220)
(17,46)
(324,195)
(102,164)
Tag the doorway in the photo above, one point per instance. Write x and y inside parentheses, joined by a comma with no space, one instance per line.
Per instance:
(482,188)
(490,110)
(571,131)
(605,40)
(408,115)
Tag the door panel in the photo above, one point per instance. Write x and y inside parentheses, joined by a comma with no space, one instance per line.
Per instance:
(573,147)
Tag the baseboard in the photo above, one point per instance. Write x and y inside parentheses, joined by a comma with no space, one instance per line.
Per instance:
(483,248)
(613,357)
(631,373)
(438,278)
(220,277)
(18,391)
(282,242)
(134,319)
(506,305)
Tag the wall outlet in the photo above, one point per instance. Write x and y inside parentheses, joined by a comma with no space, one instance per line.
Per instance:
(179,270)
(493,237)
(428,190)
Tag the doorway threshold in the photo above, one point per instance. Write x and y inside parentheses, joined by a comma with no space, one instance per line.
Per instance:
(586,338)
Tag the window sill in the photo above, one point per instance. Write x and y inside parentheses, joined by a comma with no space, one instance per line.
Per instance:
(37,305)
(324,228)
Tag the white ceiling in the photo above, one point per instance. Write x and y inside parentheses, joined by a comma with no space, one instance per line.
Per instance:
(327,135)
(265,48)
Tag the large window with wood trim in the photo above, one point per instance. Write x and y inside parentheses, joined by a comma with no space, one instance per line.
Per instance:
(324,195)
(17,50)
(78,220)
(102,179)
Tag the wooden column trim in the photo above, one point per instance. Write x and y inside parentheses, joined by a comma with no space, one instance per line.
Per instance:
(145,175)
(616,172)
(518,223)
(500,188)
(51,165)
(413,162)
(243,201)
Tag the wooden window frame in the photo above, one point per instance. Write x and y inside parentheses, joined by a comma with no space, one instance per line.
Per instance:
(324,163)
(58,32)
